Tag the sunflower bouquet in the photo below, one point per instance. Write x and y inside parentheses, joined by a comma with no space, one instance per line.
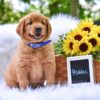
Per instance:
(83,40)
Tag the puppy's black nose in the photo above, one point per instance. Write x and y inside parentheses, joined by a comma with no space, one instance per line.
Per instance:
(38,30)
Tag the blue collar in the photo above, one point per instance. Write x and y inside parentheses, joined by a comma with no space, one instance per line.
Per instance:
(32,45)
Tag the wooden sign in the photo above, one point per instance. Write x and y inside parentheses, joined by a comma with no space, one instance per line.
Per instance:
(80,69)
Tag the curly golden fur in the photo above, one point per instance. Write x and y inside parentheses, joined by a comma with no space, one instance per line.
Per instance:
(31,67)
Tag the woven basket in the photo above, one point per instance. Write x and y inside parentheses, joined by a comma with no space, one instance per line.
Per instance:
(61,70)
(97,71)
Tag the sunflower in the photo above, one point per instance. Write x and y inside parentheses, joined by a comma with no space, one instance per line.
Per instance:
(84,47)
(95,42)
(86,25)
(77,34)
(83,40)
(70,46)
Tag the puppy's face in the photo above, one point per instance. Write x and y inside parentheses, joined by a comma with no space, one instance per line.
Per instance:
(34,27)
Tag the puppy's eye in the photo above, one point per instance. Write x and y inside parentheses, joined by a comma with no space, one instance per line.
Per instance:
(29,23)
(43,22)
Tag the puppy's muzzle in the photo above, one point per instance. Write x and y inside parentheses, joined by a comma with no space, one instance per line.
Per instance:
(38,31)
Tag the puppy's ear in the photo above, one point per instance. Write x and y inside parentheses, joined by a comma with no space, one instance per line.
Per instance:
(49,29)
(20,28)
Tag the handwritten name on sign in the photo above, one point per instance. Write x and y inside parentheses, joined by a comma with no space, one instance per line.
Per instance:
(80,70)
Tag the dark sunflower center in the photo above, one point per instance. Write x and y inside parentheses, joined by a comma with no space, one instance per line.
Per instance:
(83,47)
(78,37)
(93,42)
(71,45)
(99,35)
(86,29)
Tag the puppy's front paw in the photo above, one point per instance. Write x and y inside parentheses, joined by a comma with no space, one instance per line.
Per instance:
(50,81)
(23,84)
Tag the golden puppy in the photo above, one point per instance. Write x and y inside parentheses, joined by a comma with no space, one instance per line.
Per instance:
(34,60)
